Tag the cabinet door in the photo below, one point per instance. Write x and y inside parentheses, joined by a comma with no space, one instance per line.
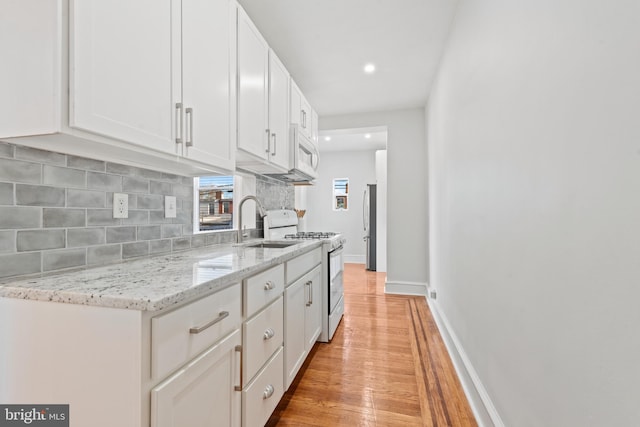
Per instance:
(314,127)
(278,112)
(202,393)
(313,309)
(253,65)
(30,46)
(295,113)
(208,64)
(124,69)
(294,340)
(306,117)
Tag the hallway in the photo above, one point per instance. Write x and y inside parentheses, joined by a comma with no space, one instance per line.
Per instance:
(386,366)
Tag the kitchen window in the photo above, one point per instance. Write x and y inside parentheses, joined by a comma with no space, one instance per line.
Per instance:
(340,199)
(214,205)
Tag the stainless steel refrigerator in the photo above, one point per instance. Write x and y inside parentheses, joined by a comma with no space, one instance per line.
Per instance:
(369,221)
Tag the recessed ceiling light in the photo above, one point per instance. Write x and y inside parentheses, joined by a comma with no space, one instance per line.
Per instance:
(369,68)
(327,138)
(367,135)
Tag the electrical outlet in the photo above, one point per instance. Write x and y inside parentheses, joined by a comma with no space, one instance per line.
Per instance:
(170,209)
(120,205)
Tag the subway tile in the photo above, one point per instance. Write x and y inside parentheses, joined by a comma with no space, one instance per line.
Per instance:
(198,241)
(60,217)
(133,184)
(151,174)
(119,169)
(159,246)
(157,217)
(181,243)
(6,193)
(136,217)
(184,191)
(6,150)
(64,177)
(39,195)
(7,241)
(121,234)
(56,260)
(150,201)
(18,264)
(137,249)
(149,232)
(184,217)
(213,238)
(38,240)
(104,254)
(19,217)
(229,237)
(101,217)
(84,163)
(18,171)
(164,188)
(85,237)
(187,180)
(85,198)
(103,181)
(187,229)
(171,230)
(175,179)
(41,156)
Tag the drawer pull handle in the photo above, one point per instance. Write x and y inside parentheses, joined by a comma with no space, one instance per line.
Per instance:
(238,349)
(269,285)
(268,392)
(268,334)
(198,329)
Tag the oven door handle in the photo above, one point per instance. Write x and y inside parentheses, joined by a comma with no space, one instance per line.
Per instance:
(337,251)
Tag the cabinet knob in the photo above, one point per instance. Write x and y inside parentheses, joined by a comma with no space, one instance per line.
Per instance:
(269,285)
(268,334)
(268,392)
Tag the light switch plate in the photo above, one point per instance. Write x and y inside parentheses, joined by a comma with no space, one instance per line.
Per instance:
(170,209)
(120,205)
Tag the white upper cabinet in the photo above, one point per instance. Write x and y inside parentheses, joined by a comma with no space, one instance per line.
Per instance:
(263,103)
(300,110)
(124,74)
(278,112)
(253,68)
(208,81)
(145,79)
(30,84)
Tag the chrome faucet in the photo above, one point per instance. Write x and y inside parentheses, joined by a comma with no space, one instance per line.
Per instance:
(261,211)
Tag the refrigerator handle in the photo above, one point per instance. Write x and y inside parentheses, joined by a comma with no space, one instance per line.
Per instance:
(364,210)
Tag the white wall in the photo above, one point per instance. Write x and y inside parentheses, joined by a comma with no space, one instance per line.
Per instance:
(407,218)
(534,145)
(381,211)
(360,168)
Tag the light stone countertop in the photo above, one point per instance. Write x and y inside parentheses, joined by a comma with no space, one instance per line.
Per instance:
(153,283)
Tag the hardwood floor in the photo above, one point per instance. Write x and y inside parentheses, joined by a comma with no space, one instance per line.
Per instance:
(386,366)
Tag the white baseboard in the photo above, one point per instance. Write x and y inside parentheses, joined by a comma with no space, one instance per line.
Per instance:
(483,408)
(406,288)
(354,259)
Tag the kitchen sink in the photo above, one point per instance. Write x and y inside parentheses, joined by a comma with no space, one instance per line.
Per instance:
(272,245)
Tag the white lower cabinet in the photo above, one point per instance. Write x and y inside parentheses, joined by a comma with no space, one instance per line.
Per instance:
(302,312)
(203,392)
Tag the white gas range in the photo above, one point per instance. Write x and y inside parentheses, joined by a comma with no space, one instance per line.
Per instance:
(283,224)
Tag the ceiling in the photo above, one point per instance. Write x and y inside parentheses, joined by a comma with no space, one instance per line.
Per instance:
(326,43)
(359,139)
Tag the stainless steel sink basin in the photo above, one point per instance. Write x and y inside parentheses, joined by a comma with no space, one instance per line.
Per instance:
(272,245)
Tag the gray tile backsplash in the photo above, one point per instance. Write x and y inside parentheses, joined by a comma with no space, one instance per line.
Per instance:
(55,212)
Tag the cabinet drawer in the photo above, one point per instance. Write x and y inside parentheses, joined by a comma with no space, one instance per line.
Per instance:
(262,336)
(261,289)
(300,265)
(261,397)
(174,342)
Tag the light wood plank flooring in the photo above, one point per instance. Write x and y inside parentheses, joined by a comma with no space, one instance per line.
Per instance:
(386,366)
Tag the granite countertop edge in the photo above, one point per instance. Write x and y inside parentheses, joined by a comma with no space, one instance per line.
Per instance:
(115,285)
